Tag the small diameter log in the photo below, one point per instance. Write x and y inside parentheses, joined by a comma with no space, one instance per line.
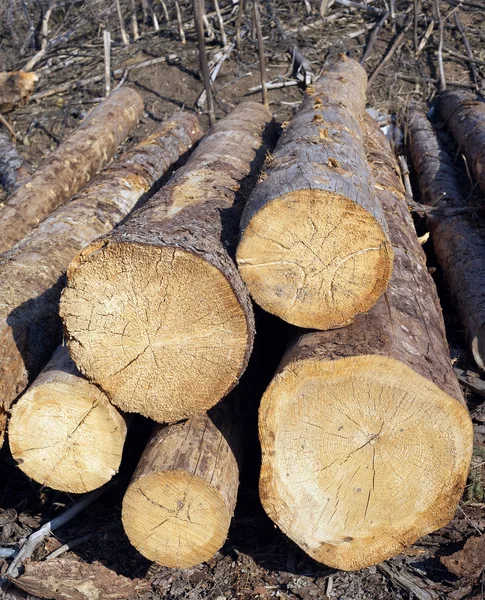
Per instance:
(179,504)
(71,165)
(13,170)
(32,271)
(16,87)
(156,312)
(464,114)
(314,248)
(63,432)
(458,243)
(365,437)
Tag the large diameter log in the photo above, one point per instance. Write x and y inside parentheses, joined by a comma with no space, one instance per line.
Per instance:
(16,87)
(458,243)
(179,504)
(464,114)
(13,170)
(365,437)
(31,273)
(71,165)
(314,248)
(156,313)
(63,432)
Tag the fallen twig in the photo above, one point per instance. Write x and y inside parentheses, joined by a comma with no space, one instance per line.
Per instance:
(215,66)
(405,175)
(204,65)
(373,37)
(124,36)
(180,22)
(273,85)
(466,43)
(107,62)
(238,23)
(468,86)
(262,61)
(360,6)
(221,23)
(424,39)
(440,48)
(395,46)
(409,582)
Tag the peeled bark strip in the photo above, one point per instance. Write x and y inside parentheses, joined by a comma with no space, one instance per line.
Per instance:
(464,114)
(32,271)
(458,243)
(16,87)
(365,437)
(63,432)
(13,170)
(71,165)
(314,248)
(179,504)
(156,313)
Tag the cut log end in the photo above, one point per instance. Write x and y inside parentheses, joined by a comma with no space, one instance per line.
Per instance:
(315,259)
(175,518)
(382,450)
(87,434)
(149,320)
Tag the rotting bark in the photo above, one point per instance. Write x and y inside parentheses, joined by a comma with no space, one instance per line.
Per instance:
(82,434)
(365,436)
(32,271)
(16,87)
(458,243)
(464,114)
(314,248)
(179,311)
(179,504)
(13,170)
(70,166)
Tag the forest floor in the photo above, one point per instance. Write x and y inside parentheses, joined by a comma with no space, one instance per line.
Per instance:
(257,560)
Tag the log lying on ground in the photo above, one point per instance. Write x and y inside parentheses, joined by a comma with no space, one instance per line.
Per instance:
(32,271)
(314,248)
(63,432)
(13,170)
(365,437)
(16,87)
(458,243)
(179,505)
(70,166)
(464,114)
(156,313)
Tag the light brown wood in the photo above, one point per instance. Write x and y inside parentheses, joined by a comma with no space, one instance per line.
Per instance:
(365,437)
(314,248)
(70,166)
(16,87)
(179,504)
(63,432)
(156,313)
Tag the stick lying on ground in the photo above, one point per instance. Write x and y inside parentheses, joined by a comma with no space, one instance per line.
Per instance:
(179,505)
(314,248)
(70,166)
(31,272)
(64,432)
(16,87)
(13,170)
(458,243)
(170,331)
(365,437)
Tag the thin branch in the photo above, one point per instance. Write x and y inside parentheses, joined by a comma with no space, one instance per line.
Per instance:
(273,85)
(180,23)
(239,23)
(165,11)
(124,36)
(262,60)
(395,46)
(107,62)
(134,23)
(373,37)
(473,69)
(204,65)
(424,39)
(9,128)
(440,48)
(221,23)
(44,29)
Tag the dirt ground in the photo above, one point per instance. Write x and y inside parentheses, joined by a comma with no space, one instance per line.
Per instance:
(257,560)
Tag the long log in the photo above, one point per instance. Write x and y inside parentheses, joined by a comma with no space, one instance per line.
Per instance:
(16,87)
(458,243)
(13,170)
(32,271)
(464,114)
(314,248)
(169,332)
(63,432)
(365,437)
(71,165)
(179,504)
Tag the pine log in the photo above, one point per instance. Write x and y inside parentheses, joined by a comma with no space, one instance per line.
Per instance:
(13,170)
(179,504)
(314,248)
(16,87)
(156,312)
(464,114)
(70,166)
(63,432)
(365,437)
(458,243)
(32,271)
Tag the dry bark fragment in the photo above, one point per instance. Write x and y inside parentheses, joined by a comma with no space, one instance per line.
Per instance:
(32,271)
(16,87)
(366,440)
(161,294)
(70,166)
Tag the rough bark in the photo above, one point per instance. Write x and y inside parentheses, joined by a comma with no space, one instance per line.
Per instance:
(13,170)
(173,304)
(366,440)
(458,242)
(314,248)
(70,166)
(16,87)
(179,504)
(32,271)
(464,114)
(63,432)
